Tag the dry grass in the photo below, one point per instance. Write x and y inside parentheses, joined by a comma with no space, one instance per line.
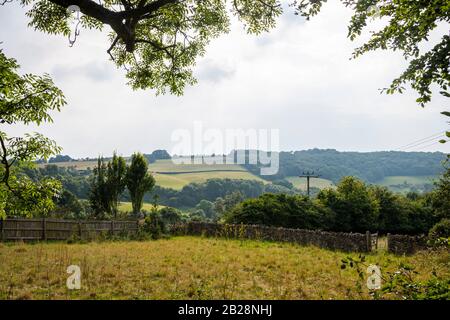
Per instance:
(319,183)
(127,207)
(189,268)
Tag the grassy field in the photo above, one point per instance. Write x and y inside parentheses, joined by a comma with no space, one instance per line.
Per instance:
(300,183)
(78,165)
(190,268)
(170,166)
(126,207)
(404,184)
(395,180)
(178,181)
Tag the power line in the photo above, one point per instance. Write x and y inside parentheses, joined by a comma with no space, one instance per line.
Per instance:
(425,141)
(308,175)
(421,141)
(429,145)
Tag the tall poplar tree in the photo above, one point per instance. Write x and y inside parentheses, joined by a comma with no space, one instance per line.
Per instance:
(139,181)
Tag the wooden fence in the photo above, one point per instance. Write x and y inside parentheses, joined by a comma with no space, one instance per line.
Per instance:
(58,229)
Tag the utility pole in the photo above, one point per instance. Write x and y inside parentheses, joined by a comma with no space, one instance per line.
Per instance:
(308,175)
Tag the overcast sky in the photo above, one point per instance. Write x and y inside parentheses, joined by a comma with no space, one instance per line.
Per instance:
(298,79)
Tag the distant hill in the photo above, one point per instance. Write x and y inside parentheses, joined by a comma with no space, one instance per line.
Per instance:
(368,166)
(390,168)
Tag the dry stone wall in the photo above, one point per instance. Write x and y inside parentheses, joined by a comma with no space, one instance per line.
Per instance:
(349,242)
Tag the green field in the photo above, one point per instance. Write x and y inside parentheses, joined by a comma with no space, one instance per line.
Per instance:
(396,180)
(78,165)
(300,183)
(178,181)
(405,184)
(126,207)
(192,268)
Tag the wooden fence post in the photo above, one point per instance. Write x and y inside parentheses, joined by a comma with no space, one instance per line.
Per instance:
(387,242)
(79,230)
(44,229)
(112,227)
(369,241)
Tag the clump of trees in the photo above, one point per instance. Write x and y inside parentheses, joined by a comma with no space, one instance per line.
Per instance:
(281,210)
(157,155)
(352,207)
(110,180)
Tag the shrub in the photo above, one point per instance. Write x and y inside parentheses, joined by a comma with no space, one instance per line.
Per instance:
(281,210)
(154,225)
(440,230)
(170,215)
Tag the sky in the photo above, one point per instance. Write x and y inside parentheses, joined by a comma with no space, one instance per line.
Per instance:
(297,79)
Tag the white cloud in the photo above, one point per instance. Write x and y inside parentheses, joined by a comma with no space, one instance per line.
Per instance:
(298,79)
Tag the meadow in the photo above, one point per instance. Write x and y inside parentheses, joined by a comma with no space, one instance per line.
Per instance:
(191,268)
(404,184)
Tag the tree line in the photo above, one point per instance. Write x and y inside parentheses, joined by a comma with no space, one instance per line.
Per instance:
(353,206)
(368,166)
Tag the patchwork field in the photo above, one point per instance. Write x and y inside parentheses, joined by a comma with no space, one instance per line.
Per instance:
(190,268)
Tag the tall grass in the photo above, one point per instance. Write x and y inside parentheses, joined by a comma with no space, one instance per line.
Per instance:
(190,268)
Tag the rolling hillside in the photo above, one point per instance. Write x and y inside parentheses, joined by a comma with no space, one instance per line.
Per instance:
(399,171)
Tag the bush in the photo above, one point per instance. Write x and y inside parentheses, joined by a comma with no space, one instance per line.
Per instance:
(154,225)
(170,215)
(281,210)
(440,230)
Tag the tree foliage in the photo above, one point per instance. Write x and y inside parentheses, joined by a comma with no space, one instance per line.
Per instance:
(25,99)
(156,41)
(98,195)
(138,181)
(408,25)
(281,210)
(352,207)
(116,181)
(107,185)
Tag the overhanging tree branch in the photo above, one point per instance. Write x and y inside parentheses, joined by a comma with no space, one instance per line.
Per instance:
(122,22)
